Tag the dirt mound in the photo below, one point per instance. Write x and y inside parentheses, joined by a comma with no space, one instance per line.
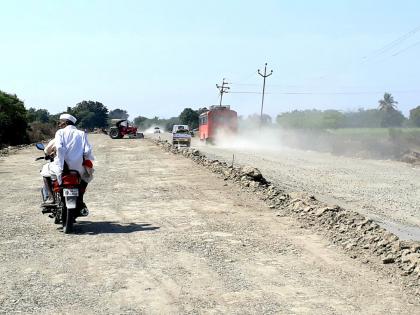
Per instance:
(411,157)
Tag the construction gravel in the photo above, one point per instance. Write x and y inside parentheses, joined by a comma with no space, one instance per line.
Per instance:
(385,191)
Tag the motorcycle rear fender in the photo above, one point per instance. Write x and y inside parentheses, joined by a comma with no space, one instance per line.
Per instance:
(71,202)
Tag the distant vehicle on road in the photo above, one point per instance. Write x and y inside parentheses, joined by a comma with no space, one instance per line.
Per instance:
(156,130)
(194,132)
(217,120)
(121,128)
(181,135)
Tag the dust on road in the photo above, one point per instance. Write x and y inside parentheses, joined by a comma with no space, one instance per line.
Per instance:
(166,237)
(385,191)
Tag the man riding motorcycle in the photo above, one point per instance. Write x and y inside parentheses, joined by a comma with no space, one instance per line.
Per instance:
(73,152)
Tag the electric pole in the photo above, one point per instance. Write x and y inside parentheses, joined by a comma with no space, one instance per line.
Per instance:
(222,89)
(265,75)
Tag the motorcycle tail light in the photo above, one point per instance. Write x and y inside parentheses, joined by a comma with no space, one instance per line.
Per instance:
(71,179)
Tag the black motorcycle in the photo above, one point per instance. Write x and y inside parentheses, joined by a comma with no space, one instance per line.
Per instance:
(68,204)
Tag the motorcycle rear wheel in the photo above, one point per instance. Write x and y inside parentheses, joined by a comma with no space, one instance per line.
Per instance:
(67,218)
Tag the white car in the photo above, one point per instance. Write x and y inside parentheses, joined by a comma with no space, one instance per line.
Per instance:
(181,135)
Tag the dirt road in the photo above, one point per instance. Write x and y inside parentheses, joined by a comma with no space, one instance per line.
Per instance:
(385,191)
(167,237)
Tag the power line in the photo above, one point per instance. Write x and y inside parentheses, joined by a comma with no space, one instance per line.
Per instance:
(389,46)
(384,49)
(328,93)
(393,43)
(245,78)
(405,49)
(247,92)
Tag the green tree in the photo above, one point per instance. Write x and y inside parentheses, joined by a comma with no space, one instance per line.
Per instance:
(140,122)
(38,115)
(38,131)
(391,117)
(312,119)
(388,103)
(90,114)
(189,117)
(370,118)
(415,117)
(118,114)
(13,121)
(169,123)
(202,110)
(332,119)
(144,123)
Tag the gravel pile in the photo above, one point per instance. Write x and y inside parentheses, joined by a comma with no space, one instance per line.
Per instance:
(360,237)
(411,157)
(387,192)
(12,149)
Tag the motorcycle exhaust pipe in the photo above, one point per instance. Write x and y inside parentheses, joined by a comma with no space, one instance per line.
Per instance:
(45,210)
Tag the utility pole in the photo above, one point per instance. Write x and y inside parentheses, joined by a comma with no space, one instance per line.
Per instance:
(222,89)
(265,75)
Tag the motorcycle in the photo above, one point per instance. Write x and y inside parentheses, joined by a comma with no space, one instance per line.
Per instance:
(67,196)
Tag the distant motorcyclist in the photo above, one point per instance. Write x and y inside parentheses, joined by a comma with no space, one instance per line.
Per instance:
(73,152)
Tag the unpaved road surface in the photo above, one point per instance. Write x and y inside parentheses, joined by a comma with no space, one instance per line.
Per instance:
(385,191)
(168,237)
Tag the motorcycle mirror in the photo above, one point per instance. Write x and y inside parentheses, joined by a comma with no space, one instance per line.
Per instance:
(40,146)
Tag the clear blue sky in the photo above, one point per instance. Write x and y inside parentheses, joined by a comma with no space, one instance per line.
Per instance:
(157,57)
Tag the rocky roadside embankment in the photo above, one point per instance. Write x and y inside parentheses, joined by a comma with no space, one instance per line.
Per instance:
(361,237)
(411,157)
(12,149)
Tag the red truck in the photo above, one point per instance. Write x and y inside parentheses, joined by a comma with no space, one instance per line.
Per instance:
(219,119)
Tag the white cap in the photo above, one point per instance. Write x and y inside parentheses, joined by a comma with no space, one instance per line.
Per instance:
(68,117)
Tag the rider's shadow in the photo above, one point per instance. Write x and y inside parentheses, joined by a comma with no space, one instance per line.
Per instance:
(110,227)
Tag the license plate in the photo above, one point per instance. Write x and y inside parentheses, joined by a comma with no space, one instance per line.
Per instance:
(72,192)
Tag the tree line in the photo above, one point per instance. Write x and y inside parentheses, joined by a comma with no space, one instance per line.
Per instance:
(386,115)
(188,117)
(19,125)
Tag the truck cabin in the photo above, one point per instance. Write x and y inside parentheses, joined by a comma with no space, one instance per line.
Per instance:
(180,129)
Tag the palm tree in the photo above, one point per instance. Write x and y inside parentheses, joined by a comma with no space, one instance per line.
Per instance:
(387,104)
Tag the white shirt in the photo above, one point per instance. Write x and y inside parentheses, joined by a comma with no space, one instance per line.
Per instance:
(71,145)
(50,148)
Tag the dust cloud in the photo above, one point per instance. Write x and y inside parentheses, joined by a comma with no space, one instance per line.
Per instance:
(387,145)
(269,139)
(151,129)
(251,139)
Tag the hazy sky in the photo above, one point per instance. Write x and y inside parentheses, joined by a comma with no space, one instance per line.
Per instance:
(157,57)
